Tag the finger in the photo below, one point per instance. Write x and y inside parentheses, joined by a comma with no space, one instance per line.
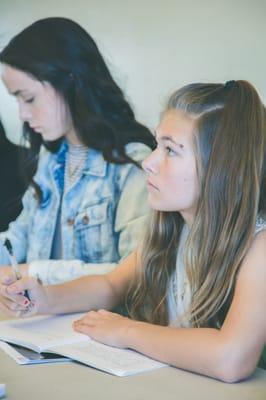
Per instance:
(90,316)
(30,310)
(8,311)
(89,322)
(22,284)
(12,306)
(18,301)
(7,279)
(3,291)
(105,312)
(17,298)
(83,328)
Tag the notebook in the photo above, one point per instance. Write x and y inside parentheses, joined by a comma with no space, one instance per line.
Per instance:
(54,335)
(23,356)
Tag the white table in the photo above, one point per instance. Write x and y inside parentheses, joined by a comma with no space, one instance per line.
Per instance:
(75,381)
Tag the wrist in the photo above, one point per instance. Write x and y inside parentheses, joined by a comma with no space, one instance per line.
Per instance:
(24,270)
(45,306)
(132,331)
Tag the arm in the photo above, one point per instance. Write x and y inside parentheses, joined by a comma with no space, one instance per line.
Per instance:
(86,293)
(229,354)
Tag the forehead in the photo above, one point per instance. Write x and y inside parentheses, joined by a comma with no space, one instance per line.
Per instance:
(176,123)
(15,79)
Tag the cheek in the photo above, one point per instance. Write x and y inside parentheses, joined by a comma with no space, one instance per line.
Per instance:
(190,178)
(53,120)
(191,186)
(45,113)
(183,187)
(62,119)
(54,111)
(180,178)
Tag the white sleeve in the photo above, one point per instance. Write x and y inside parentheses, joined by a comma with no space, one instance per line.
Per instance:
(52,272)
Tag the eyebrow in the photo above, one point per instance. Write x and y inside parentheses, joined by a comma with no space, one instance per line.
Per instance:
(18,92)
(170,139)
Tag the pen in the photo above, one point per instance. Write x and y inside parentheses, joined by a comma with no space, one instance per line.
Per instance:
(14,264)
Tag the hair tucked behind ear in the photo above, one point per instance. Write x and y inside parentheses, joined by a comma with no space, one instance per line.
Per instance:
(230,151)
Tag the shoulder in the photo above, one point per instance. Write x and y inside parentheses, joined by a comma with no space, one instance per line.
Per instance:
(259,242)
(137,151)
(254,263)
(44,157)
(46,160)
(258,246)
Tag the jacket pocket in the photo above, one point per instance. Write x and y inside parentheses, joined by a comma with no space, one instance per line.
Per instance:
(94,234)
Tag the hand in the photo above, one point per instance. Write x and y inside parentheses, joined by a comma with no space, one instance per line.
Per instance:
(105,327)
(11,305)
(6,270)
(12,299)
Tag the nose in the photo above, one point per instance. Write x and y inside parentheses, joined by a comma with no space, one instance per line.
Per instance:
(24,113)
(150,164)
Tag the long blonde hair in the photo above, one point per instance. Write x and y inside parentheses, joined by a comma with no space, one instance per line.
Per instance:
(230,148)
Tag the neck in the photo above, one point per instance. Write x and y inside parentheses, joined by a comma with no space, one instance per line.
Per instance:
(72,138)
(188,218)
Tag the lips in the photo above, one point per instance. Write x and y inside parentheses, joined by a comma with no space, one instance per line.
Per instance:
(151,185)
(36,128)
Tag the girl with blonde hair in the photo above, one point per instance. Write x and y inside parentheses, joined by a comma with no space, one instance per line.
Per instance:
(196,287)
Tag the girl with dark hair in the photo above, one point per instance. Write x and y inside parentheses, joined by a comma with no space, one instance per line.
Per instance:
(87,201)
(196,287)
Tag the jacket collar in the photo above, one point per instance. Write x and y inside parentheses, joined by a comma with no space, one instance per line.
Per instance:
(95,163)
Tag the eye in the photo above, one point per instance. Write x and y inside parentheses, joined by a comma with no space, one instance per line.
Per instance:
(170,151)
(31,100)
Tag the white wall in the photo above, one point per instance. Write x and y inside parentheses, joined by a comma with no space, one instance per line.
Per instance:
(155,46)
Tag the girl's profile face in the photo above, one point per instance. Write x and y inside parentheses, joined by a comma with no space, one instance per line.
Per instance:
(172,180)
(39,104)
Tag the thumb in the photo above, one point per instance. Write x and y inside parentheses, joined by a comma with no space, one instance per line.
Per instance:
(8,279)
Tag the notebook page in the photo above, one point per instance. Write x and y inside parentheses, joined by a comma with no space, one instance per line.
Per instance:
(41,333)
(24,356)
(116,361)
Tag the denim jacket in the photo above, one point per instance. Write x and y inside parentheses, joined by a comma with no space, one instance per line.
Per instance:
(103,216)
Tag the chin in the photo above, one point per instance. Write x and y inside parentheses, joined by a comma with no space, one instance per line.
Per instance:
(155,205)
(50,138)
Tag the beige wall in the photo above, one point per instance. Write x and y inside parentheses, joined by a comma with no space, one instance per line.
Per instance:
(154,46)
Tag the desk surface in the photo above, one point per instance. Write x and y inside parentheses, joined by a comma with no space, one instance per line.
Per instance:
(74,381)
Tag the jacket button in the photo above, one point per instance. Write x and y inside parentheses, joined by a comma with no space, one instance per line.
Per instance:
(85,219)
(70,221)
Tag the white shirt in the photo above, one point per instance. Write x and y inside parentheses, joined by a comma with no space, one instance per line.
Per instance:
(179,294)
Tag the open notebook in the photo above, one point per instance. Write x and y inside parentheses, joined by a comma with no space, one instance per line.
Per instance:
(23,355)
(54,334)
